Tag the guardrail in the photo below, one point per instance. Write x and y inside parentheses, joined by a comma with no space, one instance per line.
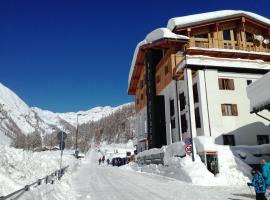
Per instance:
(47,179)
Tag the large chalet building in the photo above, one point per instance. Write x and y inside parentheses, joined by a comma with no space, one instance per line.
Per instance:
(189,79)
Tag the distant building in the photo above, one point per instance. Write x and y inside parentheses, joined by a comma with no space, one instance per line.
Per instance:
(190,79)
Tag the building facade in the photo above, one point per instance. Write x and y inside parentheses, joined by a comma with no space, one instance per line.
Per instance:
(190,79)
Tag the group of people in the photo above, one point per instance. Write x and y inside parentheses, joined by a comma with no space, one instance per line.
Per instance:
(261,181)
(102,160)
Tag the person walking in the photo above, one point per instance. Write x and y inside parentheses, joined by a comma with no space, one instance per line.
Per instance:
(99,161)
(266,175)
(258,183)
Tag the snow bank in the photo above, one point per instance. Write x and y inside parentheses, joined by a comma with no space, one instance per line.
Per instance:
(19,168)
(259,93)
(204,144)
(178,165)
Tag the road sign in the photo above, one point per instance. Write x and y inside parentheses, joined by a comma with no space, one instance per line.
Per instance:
(188,149)
(188,141)
(59,135)
(62,147)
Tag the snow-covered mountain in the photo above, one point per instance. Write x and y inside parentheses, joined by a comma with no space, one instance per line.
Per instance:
(18,118)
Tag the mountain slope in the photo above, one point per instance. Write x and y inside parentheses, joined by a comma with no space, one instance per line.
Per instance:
(17,118)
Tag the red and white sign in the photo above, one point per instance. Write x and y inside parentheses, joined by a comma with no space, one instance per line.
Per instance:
(188,149)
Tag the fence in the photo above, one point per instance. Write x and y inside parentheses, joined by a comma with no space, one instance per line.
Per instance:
(47,179)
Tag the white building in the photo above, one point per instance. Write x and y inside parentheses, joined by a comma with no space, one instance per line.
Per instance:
(190,79)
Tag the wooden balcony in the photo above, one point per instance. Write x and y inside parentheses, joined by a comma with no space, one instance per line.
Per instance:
(248,46)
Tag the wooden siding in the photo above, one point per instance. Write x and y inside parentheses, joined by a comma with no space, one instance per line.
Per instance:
(140,97)
(237,33)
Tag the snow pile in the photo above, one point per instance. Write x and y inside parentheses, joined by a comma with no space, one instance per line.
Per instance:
(233,171)
(205,144)
(259,93)
(19,167)
(252,154)
(178,165)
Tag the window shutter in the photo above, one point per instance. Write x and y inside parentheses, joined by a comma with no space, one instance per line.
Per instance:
(220,83)
(231,84)
(234,110)
(223,109)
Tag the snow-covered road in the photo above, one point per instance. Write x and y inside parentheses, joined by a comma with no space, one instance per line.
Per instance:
(95,182)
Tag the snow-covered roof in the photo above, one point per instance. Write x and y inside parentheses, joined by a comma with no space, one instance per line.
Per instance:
(157,34)
(259,94)
(201,60)
(212,16)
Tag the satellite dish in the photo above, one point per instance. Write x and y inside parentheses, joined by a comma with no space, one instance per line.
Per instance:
(259,38)
(266,41)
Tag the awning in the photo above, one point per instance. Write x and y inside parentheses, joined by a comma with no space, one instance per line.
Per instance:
(259,94)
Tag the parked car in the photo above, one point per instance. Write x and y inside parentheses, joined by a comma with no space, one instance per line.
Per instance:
(117,161)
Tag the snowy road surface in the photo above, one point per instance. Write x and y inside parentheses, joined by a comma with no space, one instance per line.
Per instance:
(95,182)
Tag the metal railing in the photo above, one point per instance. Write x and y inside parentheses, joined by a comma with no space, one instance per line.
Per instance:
(47,179)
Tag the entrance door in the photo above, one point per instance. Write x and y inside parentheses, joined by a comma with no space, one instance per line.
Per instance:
(160,134)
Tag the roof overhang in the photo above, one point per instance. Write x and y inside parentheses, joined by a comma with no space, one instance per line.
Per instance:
(213,17)
(163,43)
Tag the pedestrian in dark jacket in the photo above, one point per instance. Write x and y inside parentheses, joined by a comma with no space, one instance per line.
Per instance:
(259,184)
(99,161)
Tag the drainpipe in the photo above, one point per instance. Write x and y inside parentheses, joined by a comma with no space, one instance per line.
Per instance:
(206,94)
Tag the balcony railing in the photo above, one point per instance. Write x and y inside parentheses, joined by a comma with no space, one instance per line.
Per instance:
(230,45)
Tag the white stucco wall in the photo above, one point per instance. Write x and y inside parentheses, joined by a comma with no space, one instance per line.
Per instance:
(245,126)
(172,135)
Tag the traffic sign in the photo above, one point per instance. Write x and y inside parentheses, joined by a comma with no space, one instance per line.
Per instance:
(59,135)
(188,141)
(188,149)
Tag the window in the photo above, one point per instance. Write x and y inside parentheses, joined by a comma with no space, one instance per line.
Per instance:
(166,70)
(172,123)
(228,140)
(205,35)
(195,93)
(249,37)
(226,84)
(229,109)
(197,118)
(249,82)
(182,99)
(235,34)
(158,78)
(172,107)
(141,96)
(183,123)
(226,35)
(137,101)
(262,139)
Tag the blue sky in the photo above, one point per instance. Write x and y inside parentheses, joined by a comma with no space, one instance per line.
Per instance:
(75,55)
